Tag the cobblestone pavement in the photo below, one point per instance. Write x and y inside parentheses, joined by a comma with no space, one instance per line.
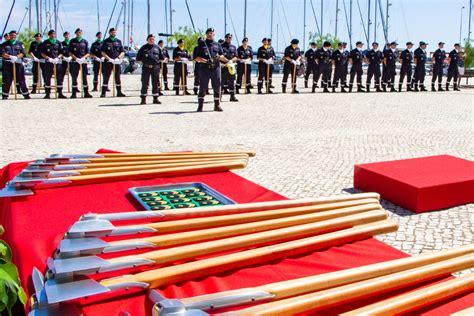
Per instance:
(306,144)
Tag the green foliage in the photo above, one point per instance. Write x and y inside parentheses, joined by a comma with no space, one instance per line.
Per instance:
(320,39)
(468,55)
(189,36)
(27,36)
(10,288)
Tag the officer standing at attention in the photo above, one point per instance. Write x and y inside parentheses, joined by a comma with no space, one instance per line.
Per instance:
(64,69)
(52,52)
(228,67)
(196,70)
(34,52)
(323,57)
(438,58)
(374,58)
(13,52)
(420,71)
(311,64)
(356,58)
(390,61)
(151,57)
(406,59)
(346,54)
(164,67)
(339,61)
(113,52)
(292,61)
(96,55)
(453,70)
(208,54)
(79,52)
(181,59)
(272,66)
(265,56)
(244,67)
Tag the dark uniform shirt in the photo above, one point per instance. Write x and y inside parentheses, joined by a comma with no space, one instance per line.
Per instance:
(310,56)
(65,48)
(230,51)
(180,53)
(51,50)
(407,58)
(112,48)
(13,49)
(356,56)
(209,50)
(375,57)
(150,55)
(292,53)
(78,48)
(244,53)
(453,58)
(391,57)
(323,56)
(164,52)
(420,56)
(35,49)
(265,53)
(439,56)
(340,59)
(96,48)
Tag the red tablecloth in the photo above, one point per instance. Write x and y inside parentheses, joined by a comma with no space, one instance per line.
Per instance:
(35,225)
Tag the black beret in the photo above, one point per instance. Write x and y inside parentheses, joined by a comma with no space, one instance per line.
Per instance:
(441,43)
(340,44)
(295,41)
(209,30)
(98,33)
(312,43)
(221,41)
(12,31)
(375,43)
(160,41)
(393,43)
(245,39)
(51,32)
(149,35)
(326,44)
(78,30)
(180,41)
(112,29)
(64,34)
(409,43)
(38,34)
(264,39)
(457,44)
(228,35)
(423,43)
(359,42)
(344,43)
(269,39)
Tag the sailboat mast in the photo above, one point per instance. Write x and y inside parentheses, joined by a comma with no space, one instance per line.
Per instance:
(245,18)
(368,23)
(337,18)
(304,24)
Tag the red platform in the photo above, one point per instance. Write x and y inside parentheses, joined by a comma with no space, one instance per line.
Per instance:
(419,184)
(34,226)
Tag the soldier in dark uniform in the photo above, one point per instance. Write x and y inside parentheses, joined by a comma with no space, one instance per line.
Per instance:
(356,58)
(151,57)
(339,61)
(390,61)
(323,57)
(228,78)
(196,71)
(292,61)
(64,70)
(406,59)
(208,54)
(453,70)
(113,52)
(346,53)
(164,67)
(265,56)
(420,71)
(35,54)
(311,64)
(79,51)
(52,52)
(96,55)
(244,67)
(12,53)
(438,58)
(374,58)
(272,66)
(181,59)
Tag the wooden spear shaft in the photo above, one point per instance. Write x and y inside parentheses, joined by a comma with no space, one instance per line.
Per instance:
(191,270)
(417,299)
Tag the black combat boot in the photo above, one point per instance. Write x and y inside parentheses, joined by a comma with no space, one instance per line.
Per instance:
(400,87)
(94,88)
(368,88)
(313,88)
(60,94)
(384,87)
(74,93)
(217,106)
(155,100)
(423,88)
(447,86)
(166,86)
(200,105)
(325,88)
(440,87)
(359,88)
(283,88)
(392,88)
(186,92)
(177,91)
(433,87)
(26,96)
(415,88)
(33,89)
(87,95)
(306,83)
(456,88)
(237,91)
(343,90)
(119,92)
(5,97)
(233,98)
(350,87)
(248,90)
(103,92)
(143,100)
(47,92)
(409,87)
(195,90)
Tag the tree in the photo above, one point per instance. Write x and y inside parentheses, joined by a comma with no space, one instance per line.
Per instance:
(320,39)
(189,35)
(27,36)
(468,55)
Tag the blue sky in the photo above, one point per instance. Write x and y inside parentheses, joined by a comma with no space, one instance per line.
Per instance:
(414,20)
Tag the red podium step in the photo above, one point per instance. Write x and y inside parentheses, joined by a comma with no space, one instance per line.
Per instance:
(419,184)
